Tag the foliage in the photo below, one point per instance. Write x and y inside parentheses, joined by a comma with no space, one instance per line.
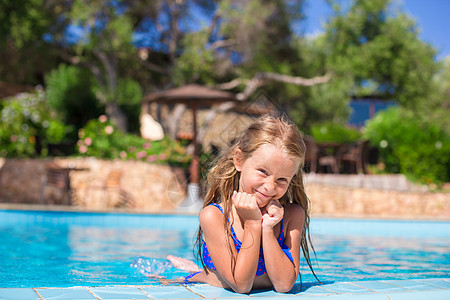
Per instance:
(94,35)
(437,107)
(370,49)
(24,23)
(100,138)
(319,103)
(334,133)
(129,96)
(410,146)
(28,126)
(196,61)
(69,93)
(380,50)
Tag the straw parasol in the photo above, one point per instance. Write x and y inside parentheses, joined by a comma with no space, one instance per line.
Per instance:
(194,96)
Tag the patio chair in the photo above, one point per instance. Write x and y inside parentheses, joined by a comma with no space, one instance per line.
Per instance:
(354,157)
(315,159)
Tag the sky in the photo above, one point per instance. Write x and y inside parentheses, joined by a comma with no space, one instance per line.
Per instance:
(432,17)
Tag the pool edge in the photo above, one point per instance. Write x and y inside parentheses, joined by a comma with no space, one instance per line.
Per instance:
(433,288)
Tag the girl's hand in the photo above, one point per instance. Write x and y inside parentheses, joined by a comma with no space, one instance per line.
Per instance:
(246,206)
(272,214)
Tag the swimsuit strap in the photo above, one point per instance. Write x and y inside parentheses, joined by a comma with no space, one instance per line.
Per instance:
(186,279)
(236,241)
(205,255)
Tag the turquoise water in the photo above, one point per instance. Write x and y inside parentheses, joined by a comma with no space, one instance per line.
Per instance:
(62,249)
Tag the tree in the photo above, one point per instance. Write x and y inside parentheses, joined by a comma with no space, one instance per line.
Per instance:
(24,55)
(242,53)
(437,107)
(107,39)
(368,50)
(379,51)
(107,47)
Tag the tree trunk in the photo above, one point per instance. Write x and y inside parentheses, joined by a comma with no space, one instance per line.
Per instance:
(117,116)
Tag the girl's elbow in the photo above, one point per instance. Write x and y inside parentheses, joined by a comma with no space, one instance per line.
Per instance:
(242,289)
(284,287)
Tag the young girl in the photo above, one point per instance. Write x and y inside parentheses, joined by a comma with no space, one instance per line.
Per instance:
(255,216)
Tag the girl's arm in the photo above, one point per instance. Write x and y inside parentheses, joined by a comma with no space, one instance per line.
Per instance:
(211,219)
(281,270)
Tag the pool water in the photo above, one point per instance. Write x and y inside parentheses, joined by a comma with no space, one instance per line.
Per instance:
(62,249)
(83,249)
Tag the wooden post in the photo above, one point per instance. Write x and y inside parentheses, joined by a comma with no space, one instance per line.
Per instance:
(194,168)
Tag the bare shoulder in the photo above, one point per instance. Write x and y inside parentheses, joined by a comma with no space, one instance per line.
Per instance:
(294,213)
(211,222)
(210,214)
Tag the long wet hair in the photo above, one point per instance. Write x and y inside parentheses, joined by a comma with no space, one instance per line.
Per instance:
(223,178)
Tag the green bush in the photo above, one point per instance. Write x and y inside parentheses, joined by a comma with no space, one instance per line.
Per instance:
(28,126)
(129,95)
(100,138)
(334,133)
(70,93)
(410,146)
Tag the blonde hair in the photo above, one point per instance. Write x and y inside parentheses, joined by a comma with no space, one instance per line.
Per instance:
(223,178)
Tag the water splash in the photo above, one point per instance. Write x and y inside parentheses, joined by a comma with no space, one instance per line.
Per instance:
(150,267)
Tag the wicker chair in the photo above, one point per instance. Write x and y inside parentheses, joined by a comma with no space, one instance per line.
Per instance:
(315,160)
(354,157)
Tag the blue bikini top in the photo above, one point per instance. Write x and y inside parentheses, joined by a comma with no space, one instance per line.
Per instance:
(237,243)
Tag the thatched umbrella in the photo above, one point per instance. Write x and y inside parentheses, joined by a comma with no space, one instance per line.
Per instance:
(194,96)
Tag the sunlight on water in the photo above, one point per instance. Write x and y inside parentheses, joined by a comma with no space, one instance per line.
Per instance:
(82,249)
(352,258)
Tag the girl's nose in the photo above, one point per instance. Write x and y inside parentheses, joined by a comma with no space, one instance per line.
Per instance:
(270,185)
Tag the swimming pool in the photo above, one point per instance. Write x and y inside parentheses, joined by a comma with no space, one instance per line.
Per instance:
(64,249)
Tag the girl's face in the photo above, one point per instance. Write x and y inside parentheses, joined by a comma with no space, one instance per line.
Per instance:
(266,174)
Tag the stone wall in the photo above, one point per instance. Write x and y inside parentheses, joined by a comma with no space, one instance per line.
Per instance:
(140,186)
(146,187)
(341,201)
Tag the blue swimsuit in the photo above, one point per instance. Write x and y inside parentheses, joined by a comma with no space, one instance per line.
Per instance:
(261,266)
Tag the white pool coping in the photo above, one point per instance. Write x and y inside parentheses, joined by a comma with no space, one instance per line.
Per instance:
(430,289)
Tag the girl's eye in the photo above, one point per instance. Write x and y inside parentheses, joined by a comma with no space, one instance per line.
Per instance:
(263,171)
(283,179)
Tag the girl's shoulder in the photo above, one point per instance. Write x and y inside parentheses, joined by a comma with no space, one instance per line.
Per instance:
(211,220)
(293,211)
(211,213)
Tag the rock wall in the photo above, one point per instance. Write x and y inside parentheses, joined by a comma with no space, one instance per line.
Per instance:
(94,184)
(145,187)
(339,201)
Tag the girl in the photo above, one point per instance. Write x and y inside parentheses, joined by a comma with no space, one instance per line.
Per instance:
(255,216)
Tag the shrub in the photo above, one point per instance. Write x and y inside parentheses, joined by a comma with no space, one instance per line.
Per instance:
(28,126)
(335,133)
(129,98)
(100,138)
(70,93)
(410,146)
